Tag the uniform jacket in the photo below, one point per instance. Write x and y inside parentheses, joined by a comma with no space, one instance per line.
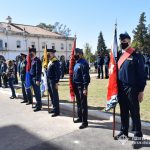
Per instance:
(100,61)
(53,71)
(132,72)
(81,73)
(22,70)
(36,69)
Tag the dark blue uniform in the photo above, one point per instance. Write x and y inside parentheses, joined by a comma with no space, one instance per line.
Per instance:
(35,72)
(106,63)
(147,66)
(81,80)
(100,63)
(53,76)
(4,76)
(132,80)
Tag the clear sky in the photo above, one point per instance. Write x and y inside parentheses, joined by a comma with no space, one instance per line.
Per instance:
(86,18)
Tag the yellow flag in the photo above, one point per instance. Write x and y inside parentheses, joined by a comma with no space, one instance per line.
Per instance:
(45,59)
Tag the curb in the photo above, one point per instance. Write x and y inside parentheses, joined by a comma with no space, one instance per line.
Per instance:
(95,113)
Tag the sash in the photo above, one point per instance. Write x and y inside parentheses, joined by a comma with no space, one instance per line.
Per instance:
(126,55)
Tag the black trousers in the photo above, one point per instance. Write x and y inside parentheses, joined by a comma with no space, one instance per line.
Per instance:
(128,101)
(100,71)
(54,96)
(11,85)
(106,72)
(82,107)
(5,80)
(0,80)
(24,91)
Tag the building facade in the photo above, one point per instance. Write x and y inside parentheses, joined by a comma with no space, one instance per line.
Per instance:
(17,38)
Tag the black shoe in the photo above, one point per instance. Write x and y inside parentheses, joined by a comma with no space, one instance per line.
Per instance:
(55,115)
(23,101)
(12,97)
(37,109)
(84,125)
(28,103)
(98,78)
(137,143)
(51,112)
(120,135)
(78,121)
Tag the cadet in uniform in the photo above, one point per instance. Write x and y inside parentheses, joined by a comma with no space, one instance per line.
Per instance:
(81,80)
(35,72)
(11,77)
(4,76)
(106,63)
(53,76)
(132,81)
(100,63)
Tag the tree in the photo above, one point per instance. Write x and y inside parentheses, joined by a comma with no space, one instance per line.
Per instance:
(57,28)
(48,27)
(101,43)
(62,29)
(88,54)
(140,36)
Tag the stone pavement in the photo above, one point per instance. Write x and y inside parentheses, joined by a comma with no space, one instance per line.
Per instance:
(23,129)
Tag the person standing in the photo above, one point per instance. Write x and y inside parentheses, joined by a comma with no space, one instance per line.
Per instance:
(100,63)
(4,76)
(11,77)
(81,80)
(35,72)
(53,76)
(106,63)
(131,84)
(0,74)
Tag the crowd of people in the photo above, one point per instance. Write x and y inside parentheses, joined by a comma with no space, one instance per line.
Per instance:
(131,81)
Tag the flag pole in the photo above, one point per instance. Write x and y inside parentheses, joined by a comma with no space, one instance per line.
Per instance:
(114,109)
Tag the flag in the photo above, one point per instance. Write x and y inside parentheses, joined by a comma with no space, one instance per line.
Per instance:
(44,86)
(28,77)
(71,68)
(112,91)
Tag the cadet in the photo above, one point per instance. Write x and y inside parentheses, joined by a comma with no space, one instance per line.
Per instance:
(132,81)
(81,80)
(4,76)
(11,77)
(106,63)
(53,76)
(100,63)
(35,72)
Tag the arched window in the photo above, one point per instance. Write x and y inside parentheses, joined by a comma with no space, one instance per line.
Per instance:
(70,46)
(53,45)
(61,46)
(43,45)
(18,44)
(1,44)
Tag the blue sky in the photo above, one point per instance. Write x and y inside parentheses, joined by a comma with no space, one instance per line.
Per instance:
(86,18)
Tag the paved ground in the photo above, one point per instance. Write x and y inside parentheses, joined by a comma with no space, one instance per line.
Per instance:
(23,129)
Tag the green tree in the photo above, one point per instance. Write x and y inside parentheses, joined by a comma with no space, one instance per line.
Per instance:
(140,34)
(88,54)
(48,27)
(101,43)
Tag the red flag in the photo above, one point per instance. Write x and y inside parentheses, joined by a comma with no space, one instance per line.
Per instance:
(28,67)
(71,68)
(112,92)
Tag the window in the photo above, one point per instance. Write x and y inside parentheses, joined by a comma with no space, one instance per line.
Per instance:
(62,46)
(1,44)
(18,44)
(33,44)
(53,45)
(70,46)
(5,44)
(43,45)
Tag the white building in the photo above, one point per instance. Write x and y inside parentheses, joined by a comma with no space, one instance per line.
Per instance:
(17,38)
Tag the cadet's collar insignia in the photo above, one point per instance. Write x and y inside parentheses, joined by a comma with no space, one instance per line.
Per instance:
(130,58)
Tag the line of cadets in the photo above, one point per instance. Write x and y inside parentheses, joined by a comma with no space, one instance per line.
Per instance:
(131,79)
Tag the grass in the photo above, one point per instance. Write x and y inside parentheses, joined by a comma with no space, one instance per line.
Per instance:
(97,92)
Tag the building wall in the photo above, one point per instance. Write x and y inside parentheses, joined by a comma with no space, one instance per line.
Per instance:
(11,51)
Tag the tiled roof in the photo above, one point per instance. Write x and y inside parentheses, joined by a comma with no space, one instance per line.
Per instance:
(20,28)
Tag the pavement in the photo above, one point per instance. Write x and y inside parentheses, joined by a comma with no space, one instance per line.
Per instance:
(23,129)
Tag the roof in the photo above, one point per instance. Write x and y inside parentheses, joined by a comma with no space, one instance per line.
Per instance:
(34,30)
